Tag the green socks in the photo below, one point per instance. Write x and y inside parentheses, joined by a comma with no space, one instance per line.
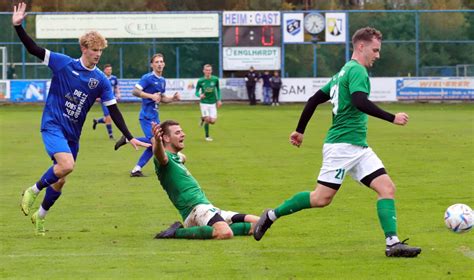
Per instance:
(206,129)
(298,202)
(387,216)
(241,228)
(203,232)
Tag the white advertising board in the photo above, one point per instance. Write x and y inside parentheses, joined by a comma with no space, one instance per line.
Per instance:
(301,89)
(191,25)
(261,58)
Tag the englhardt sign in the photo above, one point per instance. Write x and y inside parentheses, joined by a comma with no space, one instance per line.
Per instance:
(191,25)
(261,58)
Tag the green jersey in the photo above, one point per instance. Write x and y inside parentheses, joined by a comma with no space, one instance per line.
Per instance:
(210,88)
(349,125)
(182,189)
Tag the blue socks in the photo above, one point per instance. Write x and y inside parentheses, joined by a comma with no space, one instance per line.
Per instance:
(109,129)
(50,197)
(47,179)
(101,120)
(146,156)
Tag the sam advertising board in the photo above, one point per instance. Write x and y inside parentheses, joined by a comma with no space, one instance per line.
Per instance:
(301,89)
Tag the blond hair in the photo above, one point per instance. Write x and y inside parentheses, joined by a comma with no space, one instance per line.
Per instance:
(93,40)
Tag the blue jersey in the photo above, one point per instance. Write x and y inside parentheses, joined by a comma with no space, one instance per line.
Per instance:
(74,89)
(152,84)
(113,82)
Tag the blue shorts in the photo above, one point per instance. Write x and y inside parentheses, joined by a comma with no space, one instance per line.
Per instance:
(146,127)
(55,142)
(105,110)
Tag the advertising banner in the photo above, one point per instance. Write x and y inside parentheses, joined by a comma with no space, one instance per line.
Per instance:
(186,88)
(383,89)
(261,58)
(293,28)
(442,88)
(28,90)
(293,89)
(300,90)
(189,25)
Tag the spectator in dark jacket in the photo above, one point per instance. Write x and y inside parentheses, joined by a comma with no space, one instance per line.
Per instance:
(250,80)
(275,83)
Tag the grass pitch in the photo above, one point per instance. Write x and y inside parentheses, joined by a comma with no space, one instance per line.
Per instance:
(104,223)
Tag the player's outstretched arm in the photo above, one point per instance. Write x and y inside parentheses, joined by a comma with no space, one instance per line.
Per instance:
(19,14)
(363,104)
(120,123)
(158,149)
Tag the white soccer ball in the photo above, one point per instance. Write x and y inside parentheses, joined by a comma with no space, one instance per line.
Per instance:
(458,218)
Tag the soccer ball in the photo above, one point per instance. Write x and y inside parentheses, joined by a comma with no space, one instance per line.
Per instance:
(458,218)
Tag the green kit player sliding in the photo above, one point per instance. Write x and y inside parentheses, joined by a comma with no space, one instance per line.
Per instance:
(345,150)
(208,91)
(202,220)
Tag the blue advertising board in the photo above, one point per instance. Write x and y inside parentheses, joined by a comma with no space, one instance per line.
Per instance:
(441,88)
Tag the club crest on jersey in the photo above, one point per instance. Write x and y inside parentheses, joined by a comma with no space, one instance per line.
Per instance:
(93,83)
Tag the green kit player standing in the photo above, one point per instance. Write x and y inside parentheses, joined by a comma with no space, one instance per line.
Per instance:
(345,150)
(202,220)
(207,89)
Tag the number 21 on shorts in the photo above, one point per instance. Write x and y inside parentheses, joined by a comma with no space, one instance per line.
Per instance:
(340,173)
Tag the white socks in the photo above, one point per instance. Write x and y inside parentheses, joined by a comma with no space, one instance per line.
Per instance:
(136,168)
(42,213)
(271,215)
(391,240)
(35,189)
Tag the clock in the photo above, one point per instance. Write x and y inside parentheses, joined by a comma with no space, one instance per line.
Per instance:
(314,23)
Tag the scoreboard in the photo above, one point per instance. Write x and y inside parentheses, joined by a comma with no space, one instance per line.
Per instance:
(251,38)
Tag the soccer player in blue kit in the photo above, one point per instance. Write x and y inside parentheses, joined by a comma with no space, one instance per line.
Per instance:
(106,119)
(150,89)
(75,85)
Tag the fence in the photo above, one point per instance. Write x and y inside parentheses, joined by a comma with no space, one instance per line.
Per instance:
(415,43)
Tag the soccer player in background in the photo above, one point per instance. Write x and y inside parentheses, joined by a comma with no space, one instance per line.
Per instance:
(106,119)
(202,220)
(151,89)
(75,86)
(209,93)
(345,150)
